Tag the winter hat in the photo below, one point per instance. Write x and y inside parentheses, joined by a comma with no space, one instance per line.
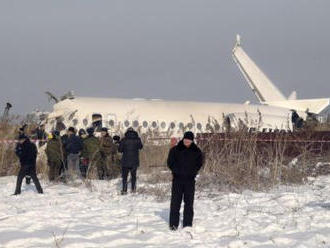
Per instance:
(71,129)
(90,130)
(116,138)
(189,135)
(81,132)
(104,129)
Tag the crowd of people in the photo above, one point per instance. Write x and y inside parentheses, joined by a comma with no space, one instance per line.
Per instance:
(73,156)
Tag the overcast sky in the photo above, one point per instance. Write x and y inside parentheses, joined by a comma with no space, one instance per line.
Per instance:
(171,49)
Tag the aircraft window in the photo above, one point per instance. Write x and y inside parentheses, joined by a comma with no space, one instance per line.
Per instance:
(85,122)
(208,126)
(126,123)
(72,115)
(181,125)
(172,125)
(199,126)
(60,126)
(75,122)
(252,130)
(111,123)
(145,124)
(154,124)
(135,123)
(163,125)
(190,125)
(217,127)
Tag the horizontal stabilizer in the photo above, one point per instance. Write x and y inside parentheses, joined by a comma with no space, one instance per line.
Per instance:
(316,106)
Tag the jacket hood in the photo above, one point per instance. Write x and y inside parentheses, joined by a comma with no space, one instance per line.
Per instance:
(131,135)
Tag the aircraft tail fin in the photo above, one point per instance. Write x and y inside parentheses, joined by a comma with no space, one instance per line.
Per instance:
(266,91)
(260,84)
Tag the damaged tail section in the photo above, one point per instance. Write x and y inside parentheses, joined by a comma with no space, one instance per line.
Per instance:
(267,93)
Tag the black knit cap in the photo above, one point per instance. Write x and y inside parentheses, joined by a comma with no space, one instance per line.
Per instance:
(104,129)
(90,130)
(71,129)
(189,135)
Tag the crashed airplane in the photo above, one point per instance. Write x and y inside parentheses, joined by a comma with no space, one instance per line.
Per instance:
(174,117)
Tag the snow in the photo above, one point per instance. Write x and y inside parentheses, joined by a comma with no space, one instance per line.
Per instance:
(75,216)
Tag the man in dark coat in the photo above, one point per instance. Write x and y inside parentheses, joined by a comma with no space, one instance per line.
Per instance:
(73,148)
(27,153)
(130,146)
(55,156)
(83,165)
(184,160)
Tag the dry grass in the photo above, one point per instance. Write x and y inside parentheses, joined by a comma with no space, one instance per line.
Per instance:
(235,164)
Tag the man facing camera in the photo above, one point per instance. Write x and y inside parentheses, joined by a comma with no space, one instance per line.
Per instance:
(184,160)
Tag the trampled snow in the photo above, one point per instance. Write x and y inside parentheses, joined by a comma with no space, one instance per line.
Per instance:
(73,216)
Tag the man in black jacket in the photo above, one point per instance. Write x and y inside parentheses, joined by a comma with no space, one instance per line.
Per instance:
(130,146)
(184,160)
(27,153)
(73,148)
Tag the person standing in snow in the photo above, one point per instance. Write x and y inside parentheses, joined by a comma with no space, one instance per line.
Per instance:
(73,148)
(83,165)
(129,146)
(107,149)
(91,150)
(55,156)
(27,153)
(184,160)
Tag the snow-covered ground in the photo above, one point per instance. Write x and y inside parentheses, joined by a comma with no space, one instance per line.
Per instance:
(68,216)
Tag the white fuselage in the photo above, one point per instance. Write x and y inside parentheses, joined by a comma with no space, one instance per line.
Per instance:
(172,117)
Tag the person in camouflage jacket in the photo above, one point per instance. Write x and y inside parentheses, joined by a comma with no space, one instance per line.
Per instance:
(91,150)
(55,156)
(108,151)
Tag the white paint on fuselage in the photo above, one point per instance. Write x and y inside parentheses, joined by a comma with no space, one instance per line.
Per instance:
(169,116)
